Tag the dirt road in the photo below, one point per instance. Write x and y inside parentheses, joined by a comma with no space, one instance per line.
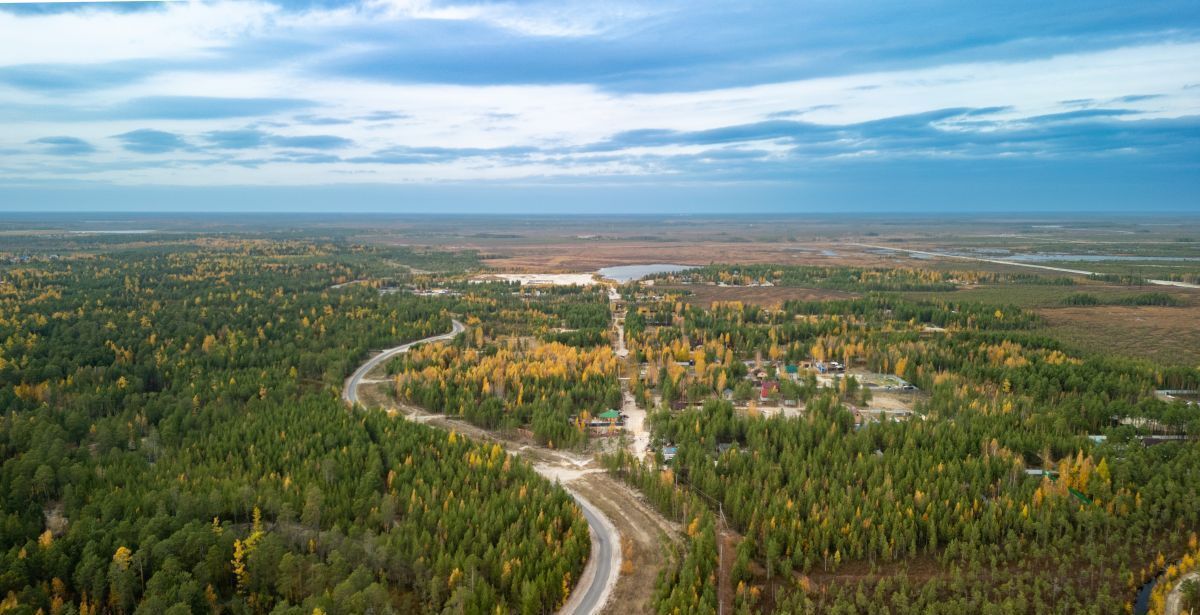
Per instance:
(635,424)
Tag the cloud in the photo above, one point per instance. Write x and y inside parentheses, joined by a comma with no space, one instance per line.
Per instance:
(692,47)
(1080,114)
(383,116)
(942,133)
(316,120)
(203,107)
(545,19)
(64,78)
(152,108)
(249,138)
(433,155)
(237,139)
(64,146)
(410,91)
(312,141)
(1132,98)
(306,158)
(99,33)
(147,141)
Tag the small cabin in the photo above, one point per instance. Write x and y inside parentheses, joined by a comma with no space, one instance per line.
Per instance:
(768,388)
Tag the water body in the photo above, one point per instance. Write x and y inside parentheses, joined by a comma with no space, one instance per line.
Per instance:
(115,232)
(1141,605)
(1093,258)
(1046,257)
(629,273)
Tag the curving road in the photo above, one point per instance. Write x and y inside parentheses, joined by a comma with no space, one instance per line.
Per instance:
(603,567)
(350,390)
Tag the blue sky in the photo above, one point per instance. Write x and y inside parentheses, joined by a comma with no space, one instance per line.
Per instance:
(592,107)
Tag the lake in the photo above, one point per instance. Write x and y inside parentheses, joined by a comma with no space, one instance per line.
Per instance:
(628,273)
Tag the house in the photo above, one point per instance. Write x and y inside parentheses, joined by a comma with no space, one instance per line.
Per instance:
(669,453)
(792,371)
(612,415)
(768,387)
(727,394)
(608,418)
(830,366)
(1041,472)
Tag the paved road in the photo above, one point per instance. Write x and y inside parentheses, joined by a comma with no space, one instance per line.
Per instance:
(1175,596)
(600,575)
(350,390)
(1016,264)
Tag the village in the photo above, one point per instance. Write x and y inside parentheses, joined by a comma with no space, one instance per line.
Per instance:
(765,388)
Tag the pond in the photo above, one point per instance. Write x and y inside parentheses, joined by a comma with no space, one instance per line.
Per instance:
(628,273)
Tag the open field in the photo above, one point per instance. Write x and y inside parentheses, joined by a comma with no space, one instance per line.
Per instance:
(1169,335)
(785,241)
(589,255)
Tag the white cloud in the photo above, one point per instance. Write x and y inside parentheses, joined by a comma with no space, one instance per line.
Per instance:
(551,19)
(466,116)
(97,34)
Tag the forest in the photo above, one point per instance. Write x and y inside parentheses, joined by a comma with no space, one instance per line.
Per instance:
(535,359)
(173,442)
(850,278)
(173,438)
(1024,464)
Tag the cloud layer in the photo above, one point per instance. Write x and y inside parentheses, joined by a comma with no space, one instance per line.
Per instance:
(781,101)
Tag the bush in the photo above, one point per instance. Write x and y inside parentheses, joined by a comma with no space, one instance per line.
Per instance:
(1081,299)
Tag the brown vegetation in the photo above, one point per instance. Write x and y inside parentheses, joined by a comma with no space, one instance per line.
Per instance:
(1165,334)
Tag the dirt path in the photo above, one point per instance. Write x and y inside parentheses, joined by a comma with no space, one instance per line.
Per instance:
(635,424)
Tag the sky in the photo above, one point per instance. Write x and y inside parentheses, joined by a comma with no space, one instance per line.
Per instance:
(421,106)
